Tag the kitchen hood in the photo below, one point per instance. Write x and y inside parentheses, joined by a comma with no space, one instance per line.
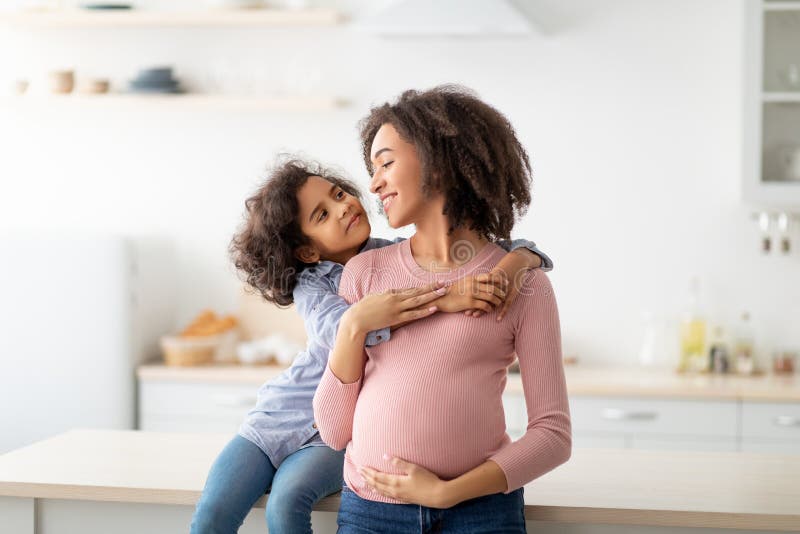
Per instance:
(479,18)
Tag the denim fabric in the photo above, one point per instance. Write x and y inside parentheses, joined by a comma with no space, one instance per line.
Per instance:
(499,513)
(242,473)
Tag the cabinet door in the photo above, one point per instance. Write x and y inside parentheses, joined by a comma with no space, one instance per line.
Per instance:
(772,105)
(599,441)
(771,421)
(194,407)
(655,417)
(516,414)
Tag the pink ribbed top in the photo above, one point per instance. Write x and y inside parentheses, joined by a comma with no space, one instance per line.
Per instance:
(432,394)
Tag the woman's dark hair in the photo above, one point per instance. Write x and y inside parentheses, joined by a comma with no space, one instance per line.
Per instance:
(467,150)
(263,248)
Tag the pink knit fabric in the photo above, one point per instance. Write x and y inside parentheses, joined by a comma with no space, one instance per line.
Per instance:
(432,394)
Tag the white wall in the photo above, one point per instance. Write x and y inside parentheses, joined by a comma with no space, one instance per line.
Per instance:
(631,111)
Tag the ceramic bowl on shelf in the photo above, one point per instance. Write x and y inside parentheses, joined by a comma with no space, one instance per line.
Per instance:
(94,86)
(155,80)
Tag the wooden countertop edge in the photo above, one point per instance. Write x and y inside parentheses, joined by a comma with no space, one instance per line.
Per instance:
(245,375)
(560,514)
(666,518)
(34,490)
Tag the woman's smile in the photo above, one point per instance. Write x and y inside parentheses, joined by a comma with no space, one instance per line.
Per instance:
(387,199)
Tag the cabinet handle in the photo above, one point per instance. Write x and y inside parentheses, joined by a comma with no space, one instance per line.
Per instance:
(787,420)
(616,414)
(234,401)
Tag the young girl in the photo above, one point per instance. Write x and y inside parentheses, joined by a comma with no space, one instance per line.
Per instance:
(422,417)
(301,226)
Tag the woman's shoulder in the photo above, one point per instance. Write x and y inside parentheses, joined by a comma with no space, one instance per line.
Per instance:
(534,289)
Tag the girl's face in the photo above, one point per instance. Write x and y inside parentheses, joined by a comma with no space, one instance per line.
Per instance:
(397,179)
(332,219)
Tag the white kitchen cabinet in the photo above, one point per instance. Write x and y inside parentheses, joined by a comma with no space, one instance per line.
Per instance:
(639,423)
(772,104)
(771,427)
(654,416)
(597,421)
(194,407)
(655,423)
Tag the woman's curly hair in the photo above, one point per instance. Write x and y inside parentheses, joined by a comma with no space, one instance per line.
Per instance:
(263,247)
(467,150)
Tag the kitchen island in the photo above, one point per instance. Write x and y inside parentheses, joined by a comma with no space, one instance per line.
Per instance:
(131,481)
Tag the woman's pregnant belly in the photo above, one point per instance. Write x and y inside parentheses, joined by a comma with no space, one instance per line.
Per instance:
(435,422)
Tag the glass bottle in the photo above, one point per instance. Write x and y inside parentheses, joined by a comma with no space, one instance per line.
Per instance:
(718,355)
(743,346)
(693,333)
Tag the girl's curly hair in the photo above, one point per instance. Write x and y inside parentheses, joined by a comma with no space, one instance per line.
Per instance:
(467,150)
(263,248)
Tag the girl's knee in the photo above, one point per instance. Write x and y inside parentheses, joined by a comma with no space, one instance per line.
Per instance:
(213,517)
(289,510)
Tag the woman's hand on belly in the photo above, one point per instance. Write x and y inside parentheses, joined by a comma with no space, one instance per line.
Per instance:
(420,486)
(416,486)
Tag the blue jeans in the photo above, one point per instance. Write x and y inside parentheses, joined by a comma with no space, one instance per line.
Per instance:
(491,514)
(242,473)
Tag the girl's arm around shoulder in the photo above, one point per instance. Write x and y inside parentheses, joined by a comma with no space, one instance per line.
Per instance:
(321,308)
(542,260)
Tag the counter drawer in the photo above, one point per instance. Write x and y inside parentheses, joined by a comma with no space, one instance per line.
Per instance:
(211,401)
(654,416)
(771,420)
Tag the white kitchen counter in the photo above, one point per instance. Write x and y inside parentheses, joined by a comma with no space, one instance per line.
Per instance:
(596,486)
(581,380)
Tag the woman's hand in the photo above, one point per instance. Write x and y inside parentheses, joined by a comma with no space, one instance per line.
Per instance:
(395,307)
(483,292)
(512,268)
(416,485)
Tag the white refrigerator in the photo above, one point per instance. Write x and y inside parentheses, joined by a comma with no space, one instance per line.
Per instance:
(77,315)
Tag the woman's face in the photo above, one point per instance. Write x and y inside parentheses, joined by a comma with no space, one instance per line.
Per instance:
(397,179)
(332,219)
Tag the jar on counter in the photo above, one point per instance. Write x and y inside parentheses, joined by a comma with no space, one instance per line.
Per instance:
(783,362)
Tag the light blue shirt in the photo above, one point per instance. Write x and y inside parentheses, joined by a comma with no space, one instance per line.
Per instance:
(282,420)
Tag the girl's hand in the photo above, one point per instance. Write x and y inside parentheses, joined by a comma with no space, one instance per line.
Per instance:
(483,292)
(416,485)
(513,268)
(395,307)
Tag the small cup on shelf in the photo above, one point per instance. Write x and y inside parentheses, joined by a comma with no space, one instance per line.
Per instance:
(62,81)
(783,362)
(19,87)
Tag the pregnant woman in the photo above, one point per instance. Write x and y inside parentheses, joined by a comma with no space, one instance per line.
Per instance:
(421,416)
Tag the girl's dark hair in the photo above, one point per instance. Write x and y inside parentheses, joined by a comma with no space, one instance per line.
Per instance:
(467,150)
(263,248)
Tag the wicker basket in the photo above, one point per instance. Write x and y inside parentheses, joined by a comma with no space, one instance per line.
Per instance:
(185,351)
